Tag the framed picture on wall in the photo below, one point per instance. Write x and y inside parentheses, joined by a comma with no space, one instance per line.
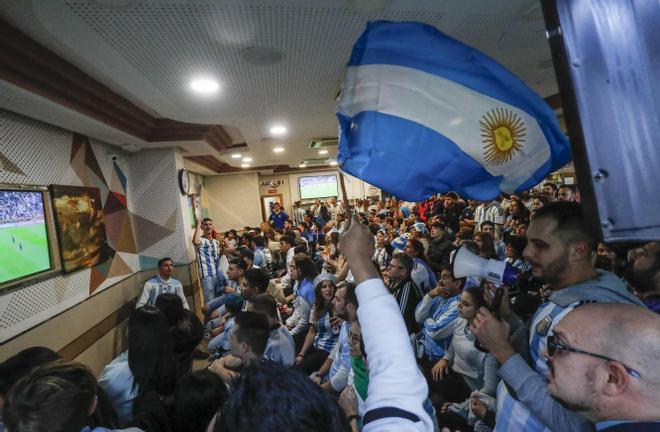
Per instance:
(267,202)
(80,226)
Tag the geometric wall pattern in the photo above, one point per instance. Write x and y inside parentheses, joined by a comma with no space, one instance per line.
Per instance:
(141,205)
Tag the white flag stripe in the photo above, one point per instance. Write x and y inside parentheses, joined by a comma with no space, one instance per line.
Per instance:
(446,107)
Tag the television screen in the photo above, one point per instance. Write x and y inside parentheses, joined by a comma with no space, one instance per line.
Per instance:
(24,248)
(321,186)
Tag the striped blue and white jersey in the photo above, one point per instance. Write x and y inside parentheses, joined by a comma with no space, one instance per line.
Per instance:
(280,347)
(326,334)
(512,415)
(208,257)
(341,360)
(156,286)
(438,317)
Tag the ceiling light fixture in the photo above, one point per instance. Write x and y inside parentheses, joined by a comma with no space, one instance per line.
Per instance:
(278,130)
(247,159)
(303,165)
(204,86)
(278,149)
(245,165)
(323,152)
(236,156)
(333,163)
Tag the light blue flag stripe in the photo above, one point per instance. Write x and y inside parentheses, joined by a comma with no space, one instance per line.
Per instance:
(413,161)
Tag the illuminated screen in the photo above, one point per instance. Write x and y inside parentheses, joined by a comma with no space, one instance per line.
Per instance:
(322,186)
(24,246)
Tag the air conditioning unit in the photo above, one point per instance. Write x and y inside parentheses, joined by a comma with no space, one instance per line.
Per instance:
(323,143)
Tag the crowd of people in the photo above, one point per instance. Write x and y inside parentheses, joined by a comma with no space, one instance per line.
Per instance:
(354,319)
(21,207)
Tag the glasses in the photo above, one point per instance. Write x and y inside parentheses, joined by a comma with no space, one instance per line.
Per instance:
(352,337)
(553,346)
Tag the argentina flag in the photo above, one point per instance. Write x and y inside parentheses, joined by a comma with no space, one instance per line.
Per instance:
(422,113)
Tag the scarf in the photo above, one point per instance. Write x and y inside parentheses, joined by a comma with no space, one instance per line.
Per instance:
(360,376)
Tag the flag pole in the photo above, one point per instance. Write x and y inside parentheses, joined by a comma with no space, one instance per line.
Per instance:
(347,208)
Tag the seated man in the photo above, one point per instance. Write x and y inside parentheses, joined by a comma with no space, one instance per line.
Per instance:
(604,364)
(162,283)
(401,285)
(248,342)
(646,274)
(338,364)
(235,274)
(437,314)
(280,347)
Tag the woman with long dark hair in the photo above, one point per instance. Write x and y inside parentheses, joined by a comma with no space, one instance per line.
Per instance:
(147,365)
(303,273)
(324,330)
(486,245)
(422,274)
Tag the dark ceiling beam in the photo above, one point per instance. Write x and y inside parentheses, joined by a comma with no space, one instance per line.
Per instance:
(30,66)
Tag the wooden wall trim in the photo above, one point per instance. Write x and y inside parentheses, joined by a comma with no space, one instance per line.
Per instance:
(32,67)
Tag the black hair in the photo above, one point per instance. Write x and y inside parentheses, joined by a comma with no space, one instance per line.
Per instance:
(517,243)
(489,223)
(571,224)
(295,403)
(477,293)
(438,224)
(162,260)
(252,328)
(199,395)
(171,306)
(567,186)
(418,246)
(351,296)
(488,249)
(305,266)
(150,356)
(265,304)
(289,239)
(320,307)
(246,252)
(55,397)
(258,279)
(450,269)
(452,195)
(552,185)
(260,241)
(207,220)
(406,262)
(300,249)
(19,365)
(238,263)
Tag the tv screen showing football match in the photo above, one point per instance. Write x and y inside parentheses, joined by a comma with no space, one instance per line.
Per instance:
(24,248)
(321,186)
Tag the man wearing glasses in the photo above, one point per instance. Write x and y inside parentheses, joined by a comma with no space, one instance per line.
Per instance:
(603,365)
(646,274)
(559,251)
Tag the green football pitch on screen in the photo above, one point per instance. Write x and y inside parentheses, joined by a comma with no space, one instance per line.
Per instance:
(23,251)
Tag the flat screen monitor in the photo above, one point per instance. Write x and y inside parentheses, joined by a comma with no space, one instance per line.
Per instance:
(24,244)
(319,186)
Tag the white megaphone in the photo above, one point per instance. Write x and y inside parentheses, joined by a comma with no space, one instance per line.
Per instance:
(498,272)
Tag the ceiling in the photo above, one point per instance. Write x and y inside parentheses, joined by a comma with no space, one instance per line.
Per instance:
(148,51)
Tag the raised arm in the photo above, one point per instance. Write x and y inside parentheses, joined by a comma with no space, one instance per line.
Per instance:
(397,389)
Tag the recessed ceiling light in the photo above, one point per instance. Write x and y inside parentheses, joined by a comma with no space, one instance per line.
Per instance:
(278,149)
(247,159)
(302,165)
(236,156)
(278,130)
(323,152)
(204,86)
(262,56)
(333,163)
(245,165)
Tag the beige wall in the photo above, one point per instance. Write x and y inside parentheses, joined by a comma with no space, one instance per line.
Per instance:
(234,200)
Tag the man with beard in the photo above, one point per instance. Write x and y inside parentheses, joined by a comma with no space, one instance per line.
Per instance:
(603,364)
(646,274)
(559,252)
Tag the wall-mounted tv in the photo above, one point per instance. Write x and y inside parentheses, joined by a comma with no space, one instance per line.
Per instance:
(319,186)
(25,248)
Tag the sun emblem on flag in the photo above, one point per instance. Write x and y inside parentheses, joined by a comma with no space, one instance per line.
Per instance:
(503,133)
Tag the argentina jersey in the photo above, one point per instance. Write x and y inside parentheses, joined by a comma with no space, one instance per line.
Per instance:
(208,255)
(512,415)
